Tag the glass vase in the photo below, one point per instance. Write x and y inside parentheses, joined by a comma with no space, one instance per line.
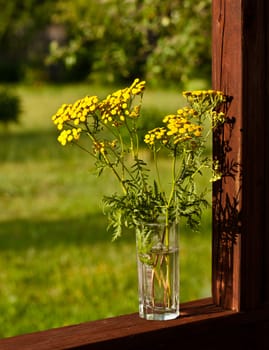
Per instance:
(157,247)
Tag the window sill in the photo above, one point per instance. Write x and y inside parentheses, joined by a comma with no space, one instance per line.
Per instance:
(201,324)
(199,320)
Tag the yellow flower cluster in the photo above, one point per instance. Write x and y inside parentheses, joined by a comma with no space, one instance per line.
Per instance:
(178,128)
(72,115)
(208,102)
(205,97)
(200,94)
(76,113)
(99,147)
(70,118)
(156,134)
(116,107)
(69,135)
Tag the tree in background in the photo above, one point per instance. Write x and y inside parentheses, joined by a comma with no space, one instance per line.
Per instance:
(21,40)
(182,50)
(10,107)
(164,41)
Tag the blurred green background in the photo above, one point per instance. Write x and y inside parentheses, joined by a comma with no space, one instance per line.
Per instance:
(58,264)
(166,42)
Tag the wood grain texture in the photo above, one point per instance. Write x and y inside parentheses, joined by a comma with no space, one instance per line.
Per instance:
(125,332)
(255,156)
(201,326)
(240,210)
(227,193)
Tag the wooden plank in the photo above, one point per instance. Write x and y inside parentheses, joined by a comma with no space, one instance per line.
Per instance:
(255,156)
(266,128)
(202,326)
(227,194)
(240,232)
(114,330)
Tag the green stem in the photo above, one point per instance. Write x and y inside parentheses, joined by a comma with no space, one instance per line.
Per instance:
(173,186)
(155,158)
(107,161)
(124,167)
(110,165)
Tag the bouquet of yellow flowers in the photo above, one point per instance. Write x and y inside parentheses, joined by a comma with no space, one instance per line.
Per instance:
(183,135)
(111,128)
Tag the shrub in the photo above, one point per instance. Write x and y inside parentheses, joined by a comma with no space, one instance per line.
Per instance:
(10,107)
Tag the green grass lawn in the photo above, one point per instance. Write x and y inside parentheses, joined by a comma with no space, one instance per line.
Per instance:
(58,264)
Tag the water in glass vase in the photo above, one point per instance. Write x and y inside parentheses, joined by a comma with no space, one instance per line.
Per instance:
(158,280)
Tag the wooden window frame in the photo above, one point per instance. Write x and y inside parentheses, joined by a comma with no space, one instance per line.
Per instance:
(237,315)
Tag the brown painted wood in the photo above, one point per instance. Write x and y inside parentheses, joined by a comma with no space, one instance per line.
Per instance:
(266,130)
(126,332)
(255,156)
(240,232)
(227,194)
(202,326)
